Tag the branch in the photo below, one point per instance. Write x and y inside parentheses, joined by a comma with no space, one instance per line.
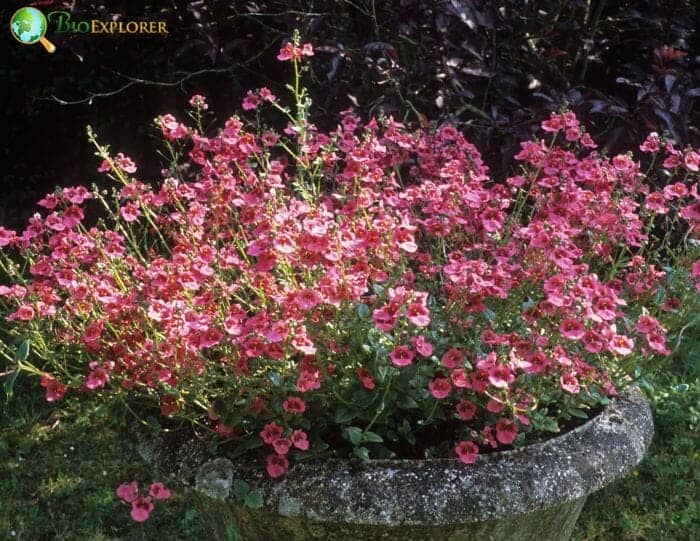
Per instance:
(134,81)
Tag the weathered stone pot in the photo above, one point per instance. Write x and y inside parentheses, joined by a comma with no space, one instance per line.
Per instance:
(532,493)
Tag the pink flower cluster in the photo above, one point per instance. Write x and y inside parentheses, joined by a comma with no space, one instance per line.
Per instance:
(142,505)
(290,51)
(273,435)
(292,283)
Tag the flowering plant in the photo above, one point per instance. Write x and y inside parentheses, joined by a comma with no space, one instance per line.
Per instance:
(369,291)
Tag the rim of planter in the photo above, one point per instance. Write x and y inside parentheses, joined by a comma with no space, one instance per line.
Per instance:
(446,491)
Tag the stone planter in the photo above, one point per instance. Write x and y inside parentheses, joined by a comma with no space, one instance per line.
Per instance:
(532,493)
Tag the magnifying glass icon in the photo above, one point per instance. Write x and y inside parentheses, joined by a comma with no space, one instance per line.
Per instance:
(28,25)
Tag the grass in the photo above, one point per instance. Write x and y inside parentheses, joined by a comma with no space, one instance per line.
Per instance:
(59,467)
(661,499)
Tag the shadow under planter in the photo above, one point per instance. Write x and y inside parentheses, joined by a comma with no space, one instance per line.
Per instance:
(536,492)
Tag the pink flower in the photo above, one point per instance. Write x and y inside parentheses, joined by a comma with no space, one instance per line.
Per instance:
(7,236)
(500,376)
(656,202)
(384,319)
(460,379)
(158,491)
(303,344)
(651,144)
(25,313)
(418,314)
(657,342)
(269,138)
(572,329)
(572,134)
(277,465)
(401,356)
(692,161)
(212,337)
(480,380)
(569,383)
(251,101)
(691,212)
(593,341)
(128,491)
(423,347)
(290,52)
(300,441)
(199,102)
(465,410)
(671,304)
(677,190)
(307,50)
(266,95)
(672,161)
(97,378)
(467,451)
(494,406)
(271,432)
(440,388)
(168,405)
(506,431)
(587,141)
(50,201)
(294,404)
(282,446)
(130,212)
(452,358)
(622,163)
(646,324)
(125,164)
(621,345)
(172,129)
(141,508)
(54,389)
(308,380)
(365,378)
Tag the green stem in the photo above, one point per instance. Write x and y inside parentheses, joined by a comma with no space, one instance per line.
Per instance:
(380,409)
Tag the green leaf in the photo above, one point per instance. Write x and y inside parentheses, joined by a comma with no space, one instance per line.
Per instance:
(363,310)
(23,350)
(361,452)
(406,432)
(252,442)
(153,423)
(254,499)
(240,489)
(274,378)
(407,402)
(10,384)
(372,437)
(232,533)
(576,412)
(644,383)
(681,388)
(550,425)
(353,434)
(382,371)
(344,415)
